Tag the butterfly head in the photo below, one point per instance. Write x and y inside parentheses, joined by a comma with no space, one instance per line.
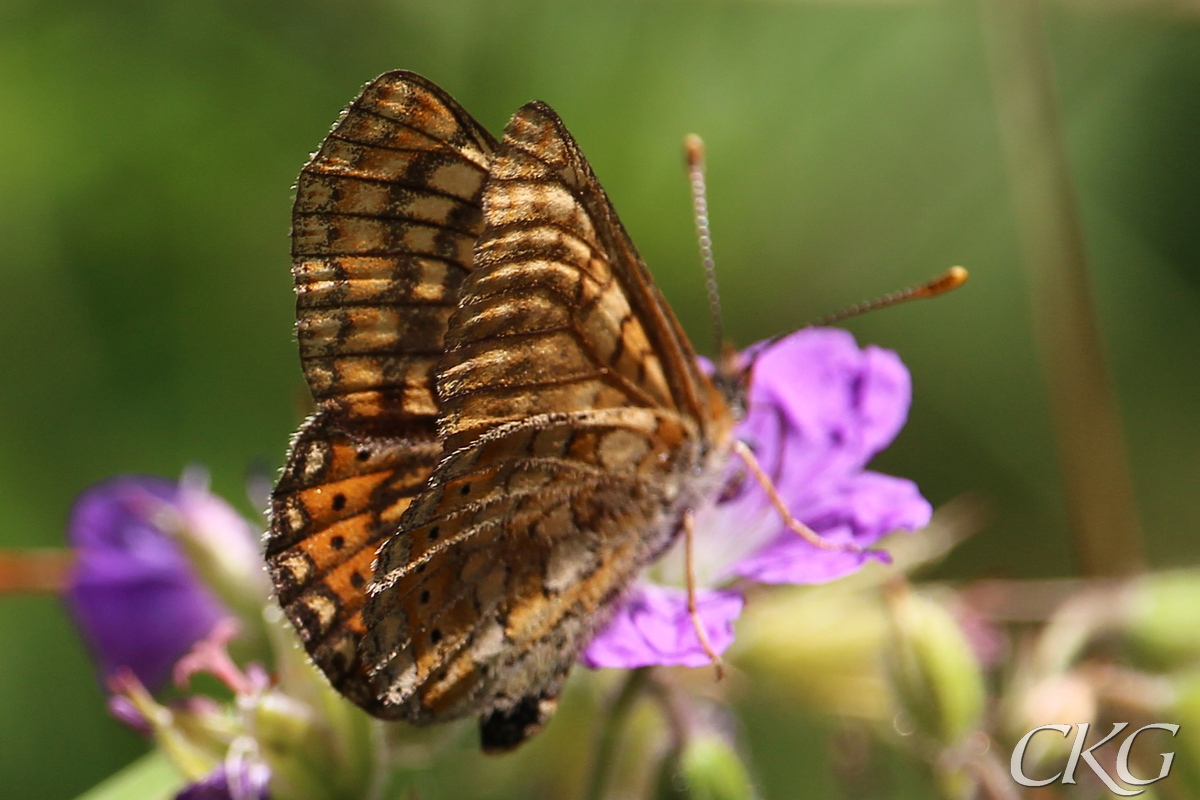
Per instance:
(731,376)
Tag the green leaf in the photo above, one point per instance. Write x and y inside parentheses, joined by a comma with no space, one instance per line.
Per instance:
(151,777)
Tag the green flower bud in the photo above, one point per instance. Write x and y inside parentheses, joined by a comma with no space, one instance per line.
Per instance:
(708,768)
(934,673)
(318,745)
(290,741)
(1186,712)
(1163,626)
(818,647)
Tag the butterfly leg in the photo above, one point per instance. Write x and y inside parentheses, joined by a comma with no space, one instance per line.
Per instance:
(808,534)
(689,537)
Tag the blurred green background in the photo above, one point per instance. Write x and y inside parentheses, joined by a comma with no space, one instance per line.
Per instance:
(147,150)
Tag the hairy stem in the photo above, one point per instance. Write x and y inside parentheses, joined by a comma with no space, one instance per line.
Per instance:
(610,733)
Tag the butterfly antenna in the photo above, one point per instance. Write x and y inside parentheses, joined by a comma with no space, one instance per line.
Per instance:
(948,281)
(693,147)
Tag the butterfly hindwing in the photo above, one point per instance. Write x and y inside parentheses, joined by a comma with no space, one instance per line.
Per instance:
(339,496)
(508,562)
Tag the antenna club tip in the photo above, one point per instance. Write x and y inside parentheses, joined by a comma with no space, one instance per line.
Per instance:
(693,148)
(948,281)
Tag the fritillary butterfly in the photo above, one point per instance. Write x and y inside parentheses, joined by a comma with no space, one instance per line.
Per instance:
(510,421)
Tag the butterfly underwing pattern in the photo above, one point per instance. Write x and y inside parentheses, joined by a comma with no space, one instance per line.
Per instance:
(510,423)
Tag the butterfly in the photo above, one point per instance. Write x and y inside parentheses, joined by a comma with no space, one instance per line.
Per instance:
(510,422)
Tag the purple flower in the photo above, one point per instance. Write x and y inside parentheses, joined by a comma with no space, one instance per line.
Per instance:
(236,779)
(132,590)
(819,408)
(653,627)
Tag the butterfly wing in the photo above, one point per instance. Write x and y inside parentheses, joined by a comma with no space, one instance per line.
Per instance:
(574,419)
(386,217)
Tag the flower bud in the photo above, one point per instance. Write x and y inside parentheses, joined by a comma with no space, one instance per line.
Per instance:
(1186,712)
(317,744)
(934,672)
(288,737)
(818,647)
(708,768)
(1162,621)
(132,590)
(221,545)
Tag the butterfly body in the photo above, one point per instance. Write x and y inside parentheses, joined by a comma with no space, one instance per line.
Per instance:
(510,422)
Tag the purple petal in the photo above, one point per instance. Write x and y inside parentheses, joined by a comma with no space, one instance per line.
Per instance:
(233,780)
(132,591)
(861,510)
(825,383)
(872,505)
(653,626)
(820,407)
(790,559)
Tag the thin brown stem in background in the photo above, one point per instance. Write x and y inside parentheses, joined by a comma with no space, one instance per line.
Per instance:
(1091,449)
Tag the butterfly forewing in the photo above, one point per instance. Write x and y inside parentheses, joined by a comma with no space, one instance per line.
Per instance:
(384,225)
(574,421)
(383,229)
(561,313)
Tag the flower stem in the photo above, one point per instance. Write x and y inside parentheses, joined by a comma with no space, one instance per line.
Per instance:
(1087,425)
(610,734)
